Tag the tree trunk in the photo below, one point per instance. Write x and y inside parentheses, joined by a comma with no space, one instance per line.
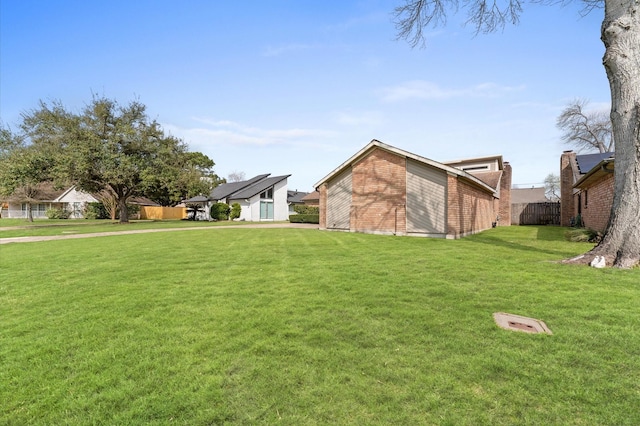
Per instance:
(122,208)
(29,212)
(621,37)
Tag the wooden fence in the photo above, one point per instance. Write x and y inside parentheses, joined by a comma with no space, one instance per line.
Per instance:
(535,214)
(161,213)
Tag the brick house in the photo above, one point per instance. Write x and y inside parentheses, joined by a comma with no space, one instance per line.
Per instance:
(586,188)
(385,190)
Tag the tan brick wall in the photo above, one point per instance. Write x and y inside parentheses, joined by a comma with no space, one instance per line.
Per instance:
(323,206)
(470,210)
(596,203)
(379,193)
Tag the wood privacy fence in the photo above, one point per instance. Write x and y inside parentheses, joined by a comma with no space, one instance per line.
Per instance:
(535,214)
(160,213)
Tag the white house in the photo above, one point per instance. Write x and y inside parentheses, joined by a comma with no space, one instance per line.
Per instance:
(46,197)
(262,198)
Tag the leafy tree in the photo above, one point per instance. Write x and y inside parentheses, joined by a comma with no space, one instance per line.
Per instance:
(113,150)
(22,171)
(586,129)
(552,187)
(620,33)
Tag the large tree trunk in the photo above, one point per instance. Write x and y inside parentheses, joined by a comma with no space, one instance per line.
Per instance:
(621,36)
(122,209)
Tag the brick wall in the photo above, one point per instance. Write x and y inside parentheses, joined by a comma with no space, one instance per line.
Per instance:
(379,193)
(568,207)
(323,206)
(470,210)
(504,204)
(596,201)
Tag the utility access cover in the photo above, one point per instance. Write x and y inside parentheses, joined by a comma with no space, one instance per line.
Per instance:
(518,323)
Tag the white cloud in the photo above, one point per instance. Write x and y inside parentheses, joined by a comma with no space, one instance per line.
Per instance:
(360,118)
(421,89)
(271,51)
(225,132)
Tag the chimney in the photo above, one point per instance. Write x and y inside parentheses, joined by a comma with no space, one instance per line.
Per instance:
(567,203)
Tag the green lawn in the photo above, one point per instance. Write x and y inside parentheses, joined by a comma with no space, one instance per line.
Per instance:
(51,227)
(299,326)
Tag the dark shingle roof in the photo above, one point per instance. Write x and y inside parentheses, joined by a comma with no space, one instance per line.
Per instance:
(226,189)
(295,196)
(587,162)
(257,187)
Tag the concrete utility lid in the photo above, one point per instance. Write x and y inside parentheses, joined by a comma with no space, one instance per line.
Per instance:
(518,323)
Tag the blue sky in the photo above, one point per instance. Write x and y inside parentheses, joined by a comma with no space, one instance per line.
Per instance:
(298,86)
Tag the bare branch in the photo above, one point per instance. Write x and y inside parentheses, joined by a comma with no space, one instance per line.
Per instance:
(590,130)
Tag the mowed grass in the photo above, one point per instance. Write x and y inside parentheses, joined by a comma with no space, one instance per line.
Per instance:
(59,227)
(297,327)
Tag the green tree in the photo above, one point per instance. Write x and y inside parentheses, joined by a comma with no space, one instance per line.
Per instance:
(620,33)
(112,149)
(22,171)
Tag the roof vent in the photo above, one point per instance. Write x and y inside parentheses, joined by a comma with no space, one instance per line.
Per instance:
(518,323)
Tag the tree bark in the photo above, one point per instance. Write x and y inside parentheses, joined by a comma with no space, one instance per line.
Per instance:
(621,37)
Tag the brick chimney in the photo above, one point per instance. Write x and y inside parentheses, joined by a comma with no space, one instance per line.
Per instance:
(504,208)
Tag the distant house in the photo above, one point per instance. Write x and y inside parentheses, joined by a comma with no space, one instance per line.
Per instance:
(311,199)
(385,190)
(46,196)
(586,188)
(294,198)
(70,199)
(262,198)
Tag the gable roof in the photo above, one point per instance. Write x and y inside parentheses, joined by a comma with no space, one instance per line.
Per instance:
(377,144)
(44,192)
(257,187)
(226,189)
(295,196)
(312,196)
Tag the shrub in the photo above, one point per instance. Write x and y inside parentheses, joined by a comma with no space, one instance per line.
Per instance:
(304,218)
(57,213)
(583,235)
(302,209)
(236,209)
(220,211)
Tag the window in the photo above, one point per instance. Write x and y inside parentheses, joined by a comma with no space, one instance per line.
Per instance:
(268,194)
(266,210)
(586,198)
(37,210)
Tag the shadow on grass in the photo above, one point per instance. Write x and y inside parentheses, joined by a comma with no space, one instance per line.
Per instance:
(547,236)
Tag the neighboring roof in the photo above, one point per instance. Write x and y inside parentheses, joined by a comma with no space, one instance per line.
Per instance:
(143,201)
(45,192)
(257,187)
(490,178)
(295,196)
(197,199)
(377,144)
(464,161)
(312,196)
(226,189)
(586,162)
(528,195)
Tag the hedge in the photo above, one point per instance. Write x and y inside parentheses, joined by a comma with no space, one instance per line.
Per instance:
(304,218)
